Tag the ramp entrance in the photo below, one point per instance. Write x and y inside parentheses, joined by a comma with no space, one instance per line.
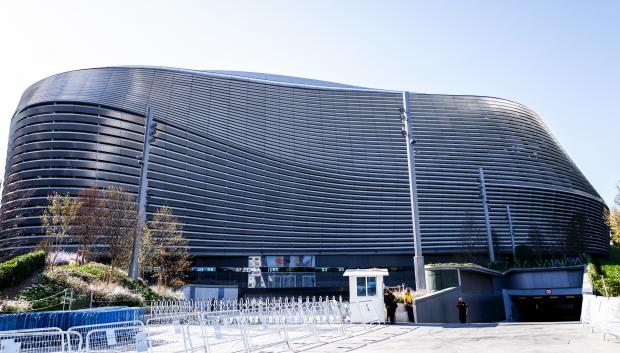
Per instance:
(547,308)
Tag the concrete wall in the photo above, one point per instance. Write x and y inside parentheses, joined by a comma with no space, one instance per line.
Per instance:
(480,283)
(600,311)
(484,307)
(569,278)
(438,307)
(441,279)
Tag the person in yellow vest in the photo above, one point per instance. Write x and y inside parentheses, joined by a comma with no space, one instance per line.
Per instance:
(409,305)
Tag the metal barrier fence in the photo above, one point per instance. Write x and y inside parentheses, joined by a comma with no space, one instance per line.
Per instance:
(171,307)
(39,341)
(601,313)
(253,326)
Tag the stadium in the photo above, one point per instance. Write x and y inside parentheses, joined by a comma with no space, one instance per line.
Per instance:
(284,182)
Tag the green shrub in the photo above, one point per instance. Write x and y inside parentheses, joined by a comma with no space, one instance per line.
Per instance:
(91,281)
(21,267)
(43,295)
(102,272)
(612,279)
(90,278)
(609,269)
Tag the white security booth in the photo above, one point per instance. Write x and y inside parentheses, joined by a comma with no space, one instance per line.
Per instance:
(366,294)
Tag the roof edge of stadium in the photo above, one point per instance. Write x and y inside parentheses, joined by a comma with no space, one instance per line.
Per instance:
(250,76)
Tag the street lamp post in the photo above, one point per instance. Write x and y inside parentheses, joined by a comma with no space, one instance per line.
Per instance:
(149,137)
(487,221)
(512,234)
(407,132)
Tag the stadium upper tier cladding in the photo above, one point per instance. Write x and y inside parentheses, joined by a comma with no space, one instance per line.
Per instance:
(266,164)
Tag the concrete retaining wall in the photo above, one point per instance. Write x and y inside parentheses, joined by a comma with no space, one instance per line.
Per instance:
(544,278)
(440,307)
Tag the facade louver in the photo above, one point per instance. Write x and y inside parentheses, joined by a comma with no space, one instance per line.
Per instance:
(267,165)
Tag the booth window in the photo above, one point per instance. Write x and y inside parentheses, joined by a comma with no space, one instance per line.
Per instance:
(366,286)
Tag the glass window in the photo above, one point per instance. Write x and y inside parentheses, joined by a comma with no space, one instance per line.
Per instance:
(289,281)
(308,281)
(361,286)
(371,285)
(275,281)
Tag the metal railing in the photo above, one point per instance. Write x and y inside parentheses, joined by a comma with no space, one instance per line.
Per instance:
(194,326)
(39,341)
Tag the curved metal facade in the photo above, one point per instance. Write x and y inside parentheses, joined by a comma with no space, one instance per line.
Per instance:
(255,165)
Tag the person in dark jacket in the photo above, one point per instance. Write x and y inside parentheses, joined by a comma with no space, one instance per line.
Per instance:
(390,305)
(463,309)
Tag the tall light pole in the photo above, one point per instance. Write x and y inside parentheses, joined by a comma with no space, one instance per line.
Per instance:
(407,132)
(149,137)
(487,221)
(512,234)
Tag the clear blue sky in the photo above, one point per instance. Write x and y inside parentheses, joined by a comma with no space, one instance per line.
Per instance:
(560,58)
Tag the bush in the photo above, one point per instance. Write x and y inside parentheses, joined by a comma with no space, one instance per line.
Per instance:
(114,294)
(609,269)
(14,306)
(21,267)
(103,273)
(612,279)
(167,293)
(43,295)
(107,286)
(91,280)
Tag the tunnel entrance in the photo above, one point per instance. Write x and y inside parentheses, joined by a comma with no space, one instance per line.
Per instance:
(547,308)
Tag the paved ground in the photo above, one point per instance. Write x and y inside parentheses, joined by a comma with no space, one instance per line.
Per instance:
(472,338)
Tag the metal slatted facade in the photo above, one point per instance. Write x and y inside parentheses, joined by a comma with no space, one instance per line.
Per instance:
(254,166)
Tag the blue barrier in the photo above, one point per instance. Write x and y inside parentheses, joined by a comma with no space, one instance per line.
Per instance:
(66,319)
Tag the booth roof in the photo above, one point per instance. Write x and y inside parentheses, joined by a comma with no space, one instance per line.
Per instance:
(365,272)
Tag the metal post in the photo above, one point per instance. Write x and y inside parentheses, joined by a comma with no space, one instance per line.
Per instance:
(486,215)
(512,234)
(605,286)
(135,251)
(418,259)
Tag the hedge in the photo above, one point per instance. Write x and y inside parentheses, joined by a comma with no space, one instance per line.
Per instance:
(21,267)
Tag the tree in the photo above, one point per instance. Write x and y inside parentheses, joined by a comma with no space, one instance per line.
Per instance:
(471,235)
(88,220)
(164,246)
(537,240)
(613,222)
(119,217)
(575,233)
(57,220)
(496,242)
(613,219)
(148,252)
